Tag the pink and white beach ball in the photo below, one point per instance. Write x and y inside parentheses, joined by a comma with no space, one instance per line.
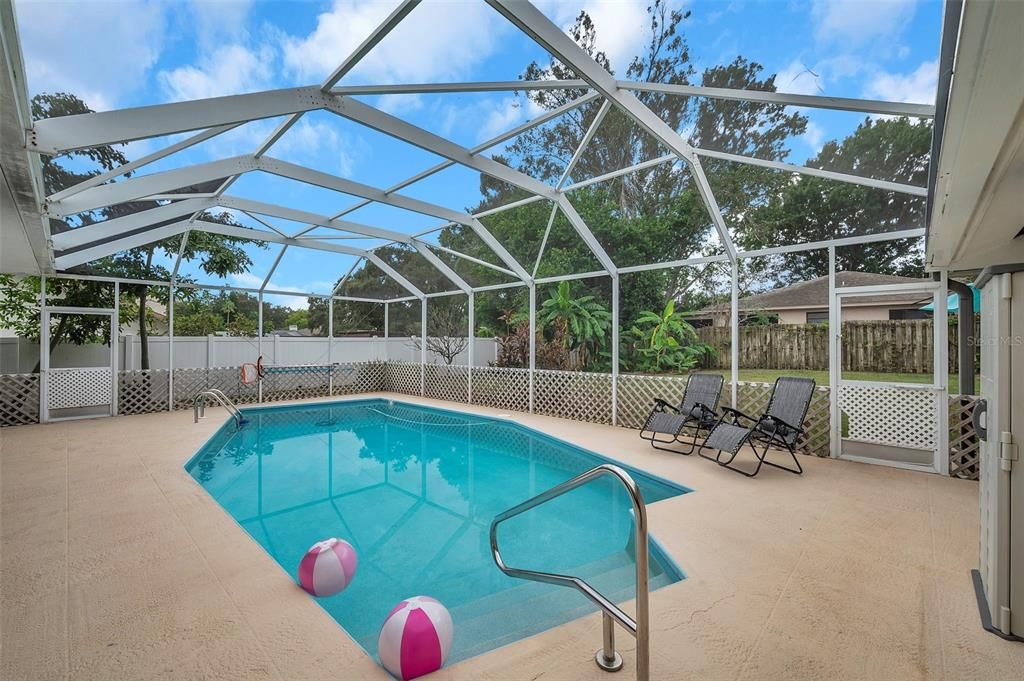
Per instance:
(416,638)
(328,567)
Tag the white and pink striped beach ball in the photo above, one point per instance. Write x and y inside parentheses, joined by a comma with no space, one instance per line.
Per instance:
(328,567)
(416,638)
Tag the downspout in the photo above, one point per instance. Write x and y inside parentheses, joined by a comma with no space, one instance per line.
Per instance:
(965,334)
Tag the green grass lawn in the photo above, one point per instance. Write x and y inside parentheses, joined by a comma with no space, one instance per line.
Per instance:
(769,376)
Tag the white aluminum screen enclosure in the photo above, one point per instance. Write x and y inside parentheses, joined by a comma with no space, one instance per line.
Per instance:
(905,425)
(207,118)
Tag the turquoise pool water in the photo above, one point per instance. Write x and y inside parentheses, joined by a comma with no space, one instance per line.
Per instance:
(414,490)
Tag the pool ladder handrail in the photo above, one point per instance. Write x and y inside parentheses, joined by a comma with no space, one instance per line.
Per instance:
(606,657)
(199,404)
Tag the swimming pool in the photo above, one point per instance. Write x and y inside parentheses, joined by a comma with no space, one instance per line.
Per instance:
(414,490)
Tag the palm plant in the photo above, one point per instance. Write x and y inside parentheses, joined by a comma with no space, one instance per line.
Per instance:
(581,323)
(667,340)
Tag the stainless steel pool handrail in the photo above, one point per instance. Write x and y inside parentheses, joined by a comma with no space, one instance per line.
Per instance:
(199,404)
(606,657)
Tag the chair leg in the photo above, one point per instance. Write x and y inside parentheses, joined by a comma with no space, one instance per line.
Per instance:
(762,459)
(701,454)
(674,439)
(693,440)
(728,462)
(717,458)
(692,443)
(656,442)
(792,452)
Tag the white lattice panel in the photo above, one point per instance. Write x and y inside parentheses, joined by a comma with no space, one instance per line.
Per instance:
(501,388)
(573,395)
(964,443)
(444,382)
(359,377)
(889,415)
(71,388)
(19,399)
(403,377)
(189,382)
(141,392)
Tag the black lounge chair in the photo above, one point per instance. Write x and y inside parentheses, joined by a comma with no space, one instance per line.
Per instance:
(780,426)
(696,411)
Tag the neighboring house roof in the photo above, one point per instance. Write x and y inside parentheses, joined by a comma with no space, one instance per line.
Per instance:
(158,309)
(813,293)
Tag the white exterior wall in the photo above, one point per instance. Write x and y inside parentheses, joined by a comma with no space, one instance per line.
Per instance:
(851,313)
(792,316)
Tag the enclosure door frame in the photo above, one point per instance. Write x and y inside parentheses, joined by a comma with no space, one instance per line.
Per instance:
(940,370)
(44,357)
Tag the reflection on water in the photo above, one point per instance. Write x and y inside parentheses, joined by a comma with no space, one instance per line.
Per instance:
(414,490)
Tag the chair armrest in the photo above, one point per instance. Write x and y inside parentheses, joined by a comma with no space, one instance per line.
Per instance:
(776,419)
(705,409)
(737,413)
(662,405)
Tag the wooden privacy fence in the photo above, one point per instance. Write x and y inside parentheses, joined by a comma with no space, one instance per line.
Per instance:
(879,346)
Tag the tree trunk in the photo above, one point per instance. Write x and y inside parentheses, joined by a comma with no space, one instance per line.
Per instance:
(143,331)
(55,339)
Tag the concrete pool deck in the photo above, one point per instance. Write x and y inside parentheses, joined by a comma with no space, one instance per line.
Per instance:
(117,565)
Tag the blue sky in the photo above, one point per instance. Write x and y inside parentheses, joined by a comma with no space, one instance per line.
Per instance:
(125,53)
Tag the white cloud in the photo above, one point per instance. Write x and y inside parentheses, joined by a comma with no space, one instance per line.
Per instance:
(813,136)
(918,86)
(228,70)
(100,51)
(855,22)
(438,40)
(246,280)
(298,302)
(250,280)
(798,79)
(216,22)
(503,115)
(306,140)
(488,117)
(396,104)
(622,25)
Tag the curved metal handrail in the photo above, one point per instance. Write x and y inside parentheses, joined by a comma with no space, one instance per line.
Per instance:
(199,404)
(639,628)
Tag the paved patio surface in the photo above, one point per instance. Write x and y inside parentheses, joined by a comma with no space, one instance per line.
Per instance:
(117,565)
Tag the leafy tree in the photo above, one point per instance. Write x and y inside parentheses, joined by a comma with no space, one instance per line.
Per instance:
(200,323)
(581,324)
(218,255)
(200,313)
(813,209)
(19,299)
(649,215)
(514,346)
(665,340)
(298,318)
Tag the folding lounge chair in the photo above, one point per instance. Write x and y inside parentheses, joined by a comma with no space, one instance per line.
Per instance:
(779,426)
(696,411)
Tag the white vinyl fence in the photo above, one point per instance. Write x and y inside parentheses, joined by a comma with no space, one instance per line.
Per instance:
(20,356)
